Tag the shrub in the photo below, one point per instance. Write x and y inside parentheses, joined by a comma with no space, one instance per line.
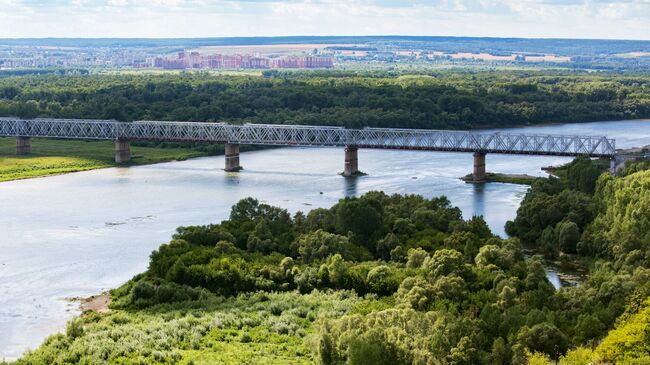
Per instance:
(444,262)
(416,258)
(321,244)
(245,338)
(382,280)
(75,328)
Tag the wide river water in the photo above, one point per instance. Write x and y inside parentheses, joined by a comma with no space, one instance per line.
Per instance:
(83,233)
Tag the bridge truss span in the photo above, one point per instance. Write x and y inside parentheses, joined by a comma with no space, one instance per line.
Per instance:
(298,135)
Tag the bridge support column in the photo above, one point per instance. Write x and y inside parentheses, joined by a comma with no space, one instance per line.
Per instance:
(122,151)
(351,167)
(232,157)
(479,167)
(23,145)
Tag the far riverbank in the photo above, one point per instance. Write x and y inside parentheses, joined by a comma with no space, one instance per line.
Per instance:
(56,156)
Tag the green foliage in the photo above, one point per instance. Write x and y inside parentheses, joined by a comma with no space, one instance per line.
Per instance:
(503,257)
(444,262)
(212,330)
(50,157)
(618,231)
(555,212)
(568,235)
(385,279)
(632,166)
(540,211)
(545,338)
(416,258)
(382,280)
(622,229)
(582,173)
(449,99)
(398,337)
(74,328)
(359,218)
(320,244)
(629,343)
(373,348)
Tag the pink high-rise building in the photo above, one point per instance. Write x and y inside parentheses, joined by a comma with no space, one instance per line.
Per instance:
(194,60)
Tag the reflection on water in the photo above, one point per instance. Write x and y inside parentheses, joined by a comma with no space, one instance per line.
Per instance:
(350,185)
(79,234)
(479,199)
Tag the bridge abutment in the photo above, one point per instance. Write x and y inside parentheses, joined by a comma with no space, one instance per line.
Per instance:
(122,150)
(479,167)
(23,145)
(351,167)
(232,157)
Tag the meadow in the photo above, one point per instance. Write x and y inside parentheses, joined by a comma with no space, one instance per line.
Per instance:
(51,157)
(252,328)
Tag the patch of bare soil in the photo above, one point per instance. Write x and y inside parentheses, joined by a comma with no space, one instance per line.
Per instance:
(96,303)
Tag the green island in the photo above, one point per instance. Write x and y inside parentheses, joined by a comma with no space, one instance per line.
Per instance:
(579,169)
(381,279)
(520,179)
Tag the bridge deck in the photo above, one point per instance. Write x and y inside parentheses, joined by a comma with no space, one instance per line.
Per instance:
(297,135)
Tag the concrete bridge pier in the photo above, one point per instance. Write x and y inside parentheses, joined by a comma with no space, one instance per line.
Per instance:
(479,167)
(122,150)
(23,145)
(232,157)
(351,161)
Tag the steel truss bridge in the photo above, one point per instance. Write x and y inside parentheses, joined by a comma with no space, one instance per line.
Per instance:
(297,135)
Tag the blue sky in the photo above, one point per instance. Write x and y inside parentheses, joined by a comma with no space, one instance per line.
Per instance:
(627,19)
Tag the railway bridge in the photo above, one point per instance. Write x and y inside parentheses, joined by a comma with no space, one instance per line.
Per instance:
(232,136)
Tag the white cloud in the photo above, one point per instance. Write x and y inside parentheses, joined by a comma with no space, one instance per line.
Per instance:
(217,18)
(118,2)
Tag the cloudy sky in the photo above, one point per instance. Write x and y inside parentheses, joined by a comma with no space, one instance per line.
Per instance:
(626,19)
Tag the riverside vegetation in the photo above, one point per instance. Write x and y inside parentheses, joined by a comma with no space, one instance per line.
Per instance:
(51,157)
(382,279)
(436,99)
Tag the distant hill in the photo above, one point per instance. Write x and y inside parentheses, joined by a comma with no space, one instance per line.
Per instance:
(564,47)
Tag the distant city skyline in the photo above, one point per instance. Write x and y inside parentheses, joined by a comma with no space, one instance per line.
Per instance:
(627,19)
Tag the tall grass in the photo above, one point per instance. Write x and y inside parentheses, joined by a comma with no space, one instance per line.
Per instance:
(253,328)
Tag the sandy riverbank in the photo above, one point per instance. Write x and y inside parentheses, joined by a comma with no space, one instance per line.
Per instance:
(96,303)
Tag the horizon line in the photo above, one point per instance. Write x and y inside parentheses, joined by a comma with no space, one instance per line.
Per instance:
(327,36)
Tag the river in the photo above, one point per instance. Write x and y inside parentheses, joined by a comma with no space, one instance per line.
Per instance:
(82,233)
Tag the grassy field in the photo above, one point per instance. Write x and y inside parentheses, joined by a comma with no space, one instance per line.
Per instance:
(255,328)
(51,157)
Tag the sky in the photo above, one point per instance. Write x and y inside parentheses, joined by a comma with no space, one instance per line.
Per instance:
(626,19)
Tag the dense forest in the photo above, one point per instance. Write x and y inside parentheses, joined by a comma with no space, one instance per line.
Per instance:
(382,279)
(442,99)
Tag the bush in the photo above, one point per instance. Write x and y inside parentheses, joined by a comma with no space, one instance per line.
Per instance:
(381,280)
(544,338)
(416,258)
(372,348)
(320,244)
(75,328)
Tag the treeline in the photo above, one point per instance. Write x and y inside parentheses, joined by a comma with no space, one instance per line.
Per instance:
(42,71)
(445,99)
